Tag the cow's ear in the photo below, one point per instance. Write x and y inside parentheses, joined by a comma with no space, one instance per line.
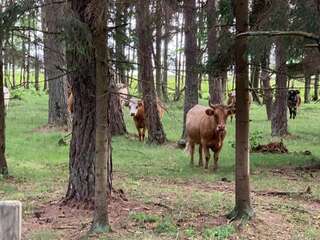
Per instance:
(297,91)
(140,103)
(231,110)
(210,112)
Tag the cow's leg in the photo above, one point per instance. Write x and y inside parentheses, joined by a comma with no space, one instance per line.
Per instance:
(143,133)
(206,154)
(191,146)
(200,156)
(216,159)
(290,111)
(139,133)
(294,111)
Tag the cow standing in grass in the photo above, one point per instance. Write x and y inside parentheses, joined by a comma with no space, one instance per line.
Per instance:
(206,126)
(232,101)
(138,113)
(294,102)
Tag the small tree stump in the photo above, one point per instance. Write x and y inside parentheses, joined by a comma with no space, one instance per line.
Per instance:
(10,220)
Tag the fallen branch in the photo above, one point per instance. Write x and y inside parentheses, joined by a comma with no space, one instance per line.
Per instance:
(280,193)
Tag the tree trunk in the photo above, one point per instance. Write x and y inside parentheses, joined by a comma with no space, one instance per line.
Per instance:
(36,57)
(3,161)
(117,123)
(307,84)
(82,145)
(28,52)
(265,80)
(157,59)
(153,123)
(6,63)
(279,122)
(120,33)
(316,87)
(215,80)
(164,84)
(242,198)
(54,62)
(103,137)
(191,85)
(13,64)
(179,56)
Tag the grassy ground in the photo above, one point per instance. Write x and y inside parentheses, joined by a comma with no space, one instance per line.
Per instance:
(163,196)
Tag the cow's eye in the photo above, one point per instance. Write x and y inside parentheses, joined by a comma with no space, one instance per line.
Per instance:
(136,107)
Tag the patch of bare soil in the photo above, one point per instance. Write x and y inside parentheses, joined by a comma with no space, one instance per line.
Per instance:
(273,147)
(276,213)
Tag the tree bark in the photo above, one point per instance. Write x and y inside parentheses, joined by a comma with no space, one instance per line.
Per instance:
(316,87)
(82,145)
(54,62)
(215,79)
(157,59)
(13,61)
(155,130)
(103,137)
(117,123)
(307,88)
(243,207)
(28,52)
(164,84)
(120,33)
(279,122)
(191,85)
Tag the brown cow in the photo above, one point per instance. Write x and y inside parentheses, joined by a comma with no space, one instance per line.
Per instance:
(232,101)
(137,112)
(206,126)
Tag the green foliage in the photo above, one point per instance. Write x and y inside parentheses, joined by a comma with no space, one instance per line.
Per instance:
(142,218)
(255,138)
(166,226)
(219,233)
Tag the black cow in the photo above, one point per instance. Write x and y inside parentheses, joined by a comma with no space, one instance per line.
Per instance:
(294,102)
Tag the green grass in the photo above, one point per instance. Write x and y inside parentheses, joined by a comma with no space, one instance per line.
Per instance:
(39,167)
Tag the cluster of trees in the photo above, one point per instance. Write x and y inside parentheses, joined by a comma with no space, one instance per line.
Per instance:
(86,47)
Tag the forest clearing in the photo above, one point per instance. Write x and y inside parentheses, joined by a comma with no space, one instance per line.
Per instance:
(162,119)
(157,194)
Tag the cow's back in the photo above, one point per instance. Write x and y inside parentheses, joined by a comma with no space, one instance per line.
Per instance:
(193,119)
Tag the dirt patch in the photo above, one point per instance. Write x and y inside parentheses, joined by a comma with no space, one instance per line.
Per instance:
(273,147)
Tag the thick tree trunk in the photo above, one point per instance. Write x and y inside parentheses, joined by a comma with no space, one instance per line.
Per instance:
(54,62)
(82,145)
(307,88)
(316,87)
(103,136)
(265,80)
(215,79)
(242,198)
(191,86)
(153,123)
(279,122)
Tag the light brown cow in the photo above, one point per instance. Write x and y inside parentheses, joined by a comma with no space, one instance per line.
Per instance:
(137,112)
(206,126)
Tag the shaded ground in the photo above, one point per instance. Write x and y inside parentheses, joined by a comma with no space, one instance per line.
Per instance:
(168,209)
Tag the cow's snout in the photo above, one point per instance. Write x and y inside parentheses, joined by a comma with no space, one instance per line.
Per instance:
(132,114)
(221,127)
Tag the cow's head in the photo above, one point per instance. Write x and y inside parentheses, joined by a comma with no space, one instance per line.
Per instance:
(134,105)
(220,113)
(292,95)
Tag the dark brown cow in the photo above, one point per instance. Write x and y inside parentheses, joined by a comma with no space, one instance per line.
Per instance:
(232,101)
(206,126)
(137,112)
